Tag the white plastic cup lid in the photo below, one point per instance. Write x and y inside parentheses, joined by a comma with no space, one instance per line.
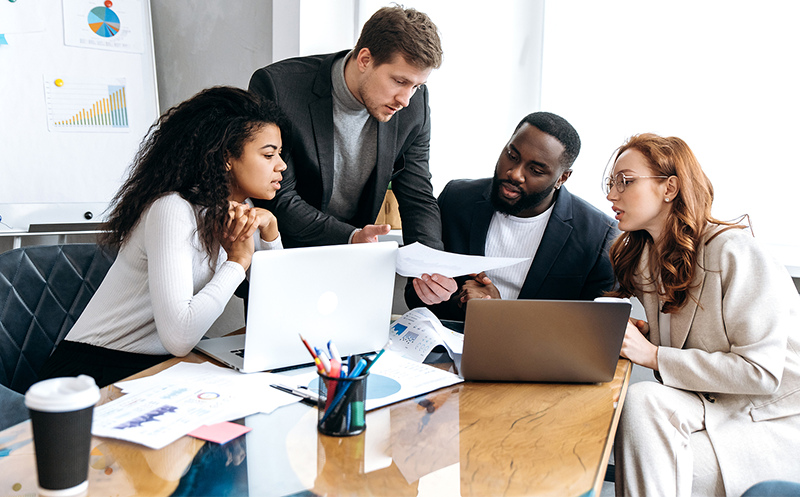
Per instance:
(63,394)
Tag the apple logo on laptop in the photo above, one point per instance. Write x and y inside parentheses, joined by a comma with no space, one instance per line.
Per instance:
(327,303)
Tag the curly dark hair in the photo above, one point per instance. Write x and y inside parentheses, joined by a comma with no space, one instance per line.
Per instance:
(185,151)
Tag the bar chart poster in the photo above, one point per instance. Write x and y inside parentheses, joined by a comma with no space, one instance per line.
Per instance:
(86,106)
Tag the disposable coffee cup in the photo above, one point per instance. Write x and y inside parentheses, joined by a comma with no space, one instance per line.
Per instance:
(61,417)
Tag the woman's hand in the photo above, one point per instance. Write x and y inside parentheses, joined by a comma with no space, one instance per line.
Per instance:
(267,224)
(636,346)
(243,221)
(239,228)
(479,287)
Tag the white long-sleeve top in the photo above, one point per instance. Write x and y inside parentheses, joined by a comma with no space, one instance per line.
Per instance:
(161,294)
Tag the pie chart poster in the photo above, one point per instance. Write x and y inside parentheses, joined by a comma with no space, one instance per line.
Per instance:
(104,25)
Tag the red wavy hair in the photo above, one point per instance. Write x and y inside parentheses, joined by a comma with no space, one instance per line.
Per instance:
(674,259)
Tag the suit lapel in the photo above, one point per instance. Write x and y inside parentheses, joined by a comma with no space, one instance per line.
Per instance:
(387,151)
(681,322)
(322,122)
(481,218)
(555,237)
(649,298)
(321,111)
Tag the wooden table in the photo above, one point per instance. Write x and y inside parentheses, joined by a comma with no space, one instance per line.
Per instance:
(472,439)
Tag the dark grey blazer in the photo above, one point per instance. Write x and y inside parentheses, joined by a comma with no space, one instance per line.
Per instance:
(572,260)
(302,88)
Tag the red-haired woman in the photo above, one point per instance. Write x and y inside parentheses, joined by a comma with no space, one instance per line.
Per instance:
(722,335)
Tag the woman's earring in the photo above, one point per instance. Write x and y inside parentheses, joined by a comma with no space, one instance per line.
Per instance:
(227,166)
(666,199)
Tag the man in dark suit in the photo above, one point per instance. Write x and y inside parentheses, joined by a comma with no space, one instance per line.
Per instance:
(524,211)
(360,119)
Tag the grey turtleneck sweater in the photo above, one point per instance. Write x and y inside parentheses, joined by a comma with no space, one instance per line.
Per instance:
(355,146)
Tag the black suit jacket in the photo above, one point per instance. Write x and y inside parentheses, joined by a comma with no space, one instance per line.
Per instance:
(572,260)
(302,88)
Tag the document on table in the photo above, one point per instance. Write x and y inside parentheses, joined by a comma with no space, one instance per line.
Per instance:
(159,409)
(418,331)
(393,378)
(416,259)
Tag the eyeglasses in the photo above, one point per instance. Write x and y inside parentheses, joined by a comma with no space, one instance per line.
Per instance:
(621,180)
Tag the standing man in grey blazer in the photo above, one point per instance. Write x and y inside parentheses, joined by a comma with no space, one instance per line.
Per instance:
(360,119)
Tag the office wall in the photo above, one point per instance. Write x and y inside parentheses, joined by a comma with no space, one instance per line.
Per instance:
(721,74)
(202,43)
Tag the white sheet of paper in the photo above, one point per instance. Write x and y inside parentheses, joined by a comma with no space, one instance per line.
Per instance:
(416,259)
(159,409)
(418,331)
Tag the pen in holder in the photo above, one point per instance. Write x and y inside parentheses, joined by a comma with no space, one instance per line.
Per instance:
(341,405)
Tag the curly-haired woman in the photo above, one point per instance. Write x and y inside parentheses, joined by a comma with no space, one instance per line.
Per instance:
(185,234)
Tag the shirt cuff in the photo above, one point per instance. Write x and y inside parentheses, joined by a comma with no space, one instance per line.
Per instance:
(275,244)
(234,268)
(350,240)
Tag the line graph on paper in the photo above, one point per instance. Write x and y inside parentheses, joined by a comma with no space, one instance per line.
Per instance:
(86,106)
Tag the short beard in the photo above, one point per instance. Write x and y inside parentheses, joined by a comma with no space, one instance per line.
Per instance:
(525,201)
(364,91)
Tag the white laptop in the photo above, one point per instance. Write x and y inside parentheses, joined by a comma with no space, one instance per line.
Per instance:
(341,293)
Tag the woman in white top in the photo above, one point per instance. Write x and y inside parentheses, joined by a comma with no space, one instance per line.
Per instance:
(722,335)
(185,234)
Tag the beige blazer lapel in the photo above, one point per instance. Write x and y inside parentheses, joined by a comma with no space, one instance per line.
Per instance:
(649,297)
(681,322)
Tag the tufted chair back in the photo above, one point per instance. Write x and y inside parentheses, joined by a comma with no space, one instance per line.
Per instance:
(43,290)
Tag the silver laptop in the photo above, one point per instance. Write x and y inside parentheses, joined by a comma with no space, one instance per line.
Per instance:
(563,341)
(341,293)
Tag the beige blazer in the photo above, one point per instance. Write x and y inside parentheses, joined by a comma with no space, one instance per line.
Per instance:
(738,346)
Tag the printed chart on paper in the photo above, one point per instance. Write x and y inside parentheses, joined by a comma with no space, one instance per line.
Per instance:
(116,25)
(86,105)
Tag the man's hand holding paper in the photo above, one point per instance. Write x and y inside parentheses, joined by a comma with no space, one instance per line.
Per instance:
(434,288)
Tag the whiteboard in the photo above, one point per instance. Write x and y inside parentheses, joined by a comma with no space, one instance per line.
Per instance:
(76,98)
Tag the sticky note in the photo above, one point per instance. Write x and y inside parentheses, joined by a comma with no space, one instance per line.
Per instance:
(220,433)
(3,40)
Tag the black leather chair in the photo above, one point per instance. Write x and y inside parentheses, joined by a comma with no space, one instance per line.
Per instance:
(43,290)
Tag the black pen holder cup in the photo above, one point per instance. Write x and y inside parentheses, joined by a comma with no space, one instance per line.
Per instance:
(341,405)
